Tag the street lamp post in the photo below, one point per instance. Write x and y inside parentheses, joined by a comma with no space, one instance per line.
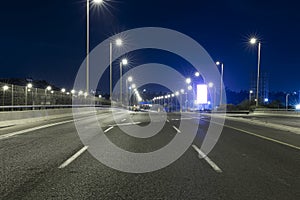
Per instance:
(191,105)
(176,99)
(211,85)
(123,62)
(48,88)
(222,77)
(287,102)
(119,42)
(28,86)
(182,92)
(88,40)
(250,94)
(129,79)
(5,88)
(254,41)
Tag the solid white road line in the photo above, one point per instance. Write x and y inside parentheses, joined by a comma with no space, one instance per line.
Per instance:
(260,136)
(168,121)
(123,120)
(207,159)
(108,129)
(32,129)
(178,131)
(126,124)
(71,159)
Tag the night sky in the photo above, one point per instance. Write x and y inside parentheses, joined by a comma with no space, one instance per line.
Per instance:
(46,39)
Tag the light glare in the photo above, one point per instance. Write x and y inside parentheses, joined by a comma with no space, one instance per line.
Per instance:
(125,61)
(5,87)
(188,80)
(98,1)
(29,85)
(253,40)
(119,42)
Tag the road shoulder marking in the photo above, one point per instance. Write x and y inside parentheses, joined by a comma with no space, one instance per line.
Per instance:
(72,158)
(176,129)
(5,136)
(126,124)
(257,135)
(207,159)
(108,129)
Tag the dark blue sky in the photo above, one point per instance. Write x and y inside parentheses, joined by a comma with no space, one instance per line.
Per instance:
(46,39)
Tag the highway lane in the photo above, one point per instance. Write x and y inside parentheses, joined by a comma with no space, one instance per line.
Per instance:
(252,167)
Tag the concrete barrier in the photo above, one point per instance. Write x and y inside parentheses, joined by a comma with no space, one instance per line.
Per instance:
(276,112)
(19,115)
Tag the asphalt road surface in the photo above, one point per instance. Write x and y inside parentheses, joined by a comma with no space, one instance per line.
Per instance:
(51,162)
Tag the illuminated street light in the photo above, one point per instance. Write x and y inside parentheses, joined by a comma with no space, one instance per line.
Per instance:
(63,90)
(98,1)
(298,107)
(29,85)
(124,61)
(119,42)
(73,92)
(197,74)
(5,87)
(129,79)
(210,84)
(188,80)
(190,87)
(48,88)
(266,100)
(177,93)
(133,86)
(80,93)
(253,41)
(182,91)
